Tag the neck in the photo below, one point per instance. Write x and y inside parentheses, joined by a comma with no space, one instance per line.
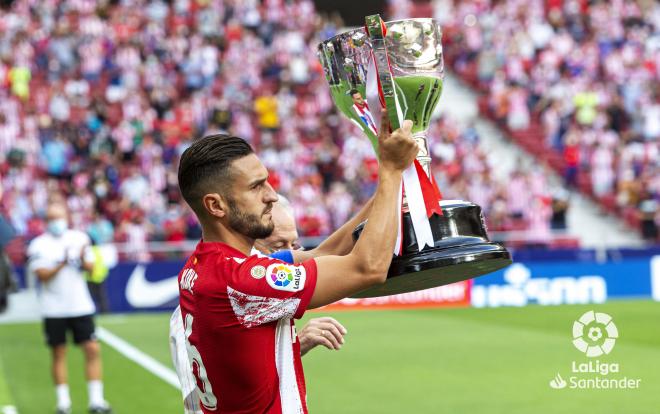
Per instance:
(219,233)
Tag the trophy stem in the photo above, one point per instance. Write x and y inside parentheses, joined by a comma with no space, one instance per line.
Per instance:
(423,156)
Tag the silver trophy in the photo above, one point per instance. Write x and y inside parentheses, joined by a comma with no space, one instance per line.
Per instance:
(446,242)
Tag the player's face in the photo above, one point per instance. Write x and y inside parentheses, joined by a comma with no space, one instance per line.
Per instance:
(357,98)
(252,198)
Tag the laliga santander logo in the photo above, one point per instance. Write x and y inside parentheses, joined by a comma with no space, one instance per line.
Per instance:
(594,333)
(285,277)
(281,275)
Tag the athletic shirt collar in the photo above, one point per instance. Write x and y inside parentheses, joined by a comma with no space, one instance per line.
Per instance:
(218,247)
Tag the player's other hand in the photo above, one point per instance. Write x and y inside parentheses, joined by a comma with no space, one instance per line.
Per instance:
(398,149)
(72,259)
(324,331)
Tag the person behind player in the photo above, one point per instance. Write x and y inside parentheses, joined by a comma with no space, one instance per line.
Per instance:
(238,308)
(59,258)
(325,330)
(280,244)
(285,234)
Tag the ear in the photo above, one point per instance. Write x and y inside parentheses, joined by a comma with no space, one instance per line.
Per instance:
(215,205)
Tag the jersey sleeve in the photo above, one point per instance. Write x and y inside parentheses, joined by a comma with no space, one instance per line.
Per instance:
(263,289)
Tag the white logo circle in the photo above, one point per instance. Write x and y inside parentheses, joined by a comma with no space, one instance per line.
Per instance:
(594,333)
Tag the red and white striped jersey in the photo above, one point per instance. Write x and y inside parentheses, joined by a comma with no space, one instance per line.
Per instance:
(237,314)
(365,115)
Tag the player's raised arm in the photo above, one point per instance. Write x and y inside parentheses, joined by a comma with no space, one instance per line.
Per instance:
(338,243)
(367,264)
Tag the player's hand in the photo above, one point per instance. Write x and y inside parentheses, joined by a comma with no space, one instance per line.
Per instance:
(70,258)
(324,331)
(396,150)
(73,259)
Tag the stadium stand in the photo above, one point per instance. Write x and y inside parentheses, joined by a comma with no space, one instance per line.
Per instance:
(567,80)
(99,99)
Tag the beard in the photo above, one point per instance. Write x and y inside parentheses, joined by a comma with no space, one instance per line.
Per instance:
(248,224)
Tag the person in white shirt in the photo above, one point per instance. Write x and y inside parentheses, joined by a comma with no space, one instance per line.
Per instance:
(58,258)
(324,331)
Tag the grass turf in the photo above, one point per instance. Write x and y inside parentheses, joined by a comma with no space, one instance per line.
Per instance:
(6,399)
(129,388)
(417,361)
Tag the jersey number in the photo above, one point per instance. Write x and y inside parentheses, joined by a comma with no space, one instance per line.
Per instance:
(204,389)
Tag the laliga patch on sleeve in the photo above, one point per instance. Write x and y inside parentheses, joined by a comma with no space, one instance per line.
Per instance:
(282,276)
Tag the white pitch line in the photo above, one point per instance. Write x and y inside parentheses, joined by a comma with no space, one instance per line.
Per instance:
(145,361)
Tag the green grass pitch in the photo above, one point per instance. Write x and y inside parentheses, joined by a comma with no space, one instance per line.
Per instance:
(408,361)
(6,399)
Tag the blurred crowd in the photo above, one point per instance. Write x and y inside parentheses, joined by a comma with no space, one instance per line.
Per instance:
(585,74)
(98,100)
(521,201)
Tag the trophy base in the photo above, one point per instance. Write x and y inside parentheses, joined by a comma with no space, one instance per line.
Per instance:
(461,251)
(437,267)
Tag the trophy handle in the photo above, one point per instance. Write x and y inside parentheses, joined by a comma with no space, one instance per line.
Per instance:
(377,31)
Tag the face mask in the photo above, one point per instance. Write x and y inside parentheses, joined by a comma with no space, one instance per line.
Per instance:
(57,227)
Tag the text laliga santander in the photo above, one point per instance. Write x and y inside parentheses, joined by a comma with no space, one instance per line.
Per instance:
(296,277)
(595,367)
(604,369)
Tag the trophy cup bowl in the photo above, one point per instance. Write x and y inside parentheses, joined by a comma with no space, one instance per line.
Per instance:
(461,248)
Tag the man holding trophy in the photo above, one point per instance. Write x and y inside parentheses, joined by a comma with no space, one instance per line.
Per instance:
(238,308)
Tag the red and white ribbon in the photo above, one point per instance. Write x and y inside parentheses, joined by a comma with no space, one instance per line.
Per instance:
(422,193)
(398,246)
(417,206)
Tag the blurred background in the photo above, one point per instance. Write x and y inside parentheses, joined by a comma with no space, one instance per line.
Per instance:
(549,120)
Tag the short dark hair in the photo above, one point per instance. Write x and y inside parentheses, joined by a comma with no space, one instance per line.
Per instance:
(353,92)
(206,163)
